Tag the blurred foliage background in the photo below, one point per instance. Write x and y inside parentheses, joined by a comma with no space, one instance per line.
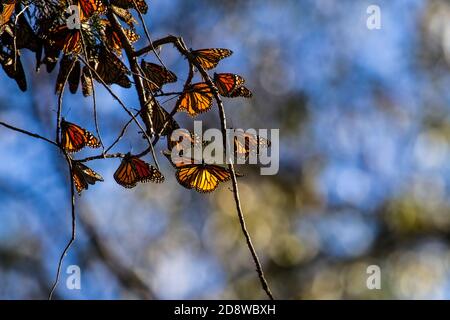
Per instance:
(364,164)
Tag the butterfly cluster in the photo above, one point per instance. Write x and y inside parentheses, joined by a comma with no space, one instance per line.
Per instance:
(93,53)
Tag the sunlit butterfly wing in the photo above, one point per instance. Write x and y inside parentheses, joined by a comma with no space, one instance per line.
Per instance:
(124,15)
(156,76)
(241,92)
(112,39)
(209,58)
(182,139)
(246,143)
(7,11)
(83,176)
(202,177)
(87,84)
(196,98)
(133,170)
(74,138)
(141,5)
(65,39)
(91,7)
(227,82)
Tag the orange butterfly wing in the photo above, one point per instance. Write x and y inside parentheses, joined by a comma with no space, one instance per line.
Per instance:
(209,58)
(196,98)
(140,5)
(74,138)
(202,177)
(241,92)
(91,7)
(245,143)
(227,82)
(133,170)
(231,85)
(83,176)
(69,41)
(112,39)
(156,76)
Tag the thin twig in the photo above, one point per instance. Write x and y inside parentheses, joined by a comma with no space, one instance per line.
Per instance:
(147,34)
(134,66)
(94,99)
(122,104)
(31,134)
(122,133)
(179,44)
(181,47)
(103,156)
(60,103)
(73,234)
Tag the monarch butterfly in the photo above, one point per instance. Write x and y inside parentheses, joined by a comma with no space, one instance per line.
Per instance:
(65,39)
(195,99)
(124,15)
(68,69)
(201,177)
(141,5)
(246,143)
(231,85)
(111,69)
(51,52)
(185,139)
(8,9)
(112,39)
(87,86)
(91,7)
(75,138)
(133,170)
(209,58)
(163,123)
(156,76)
(83,176)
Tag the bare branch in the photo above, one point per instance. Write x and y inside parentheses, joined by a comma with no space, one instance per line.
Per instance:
(34,135)
(73,234)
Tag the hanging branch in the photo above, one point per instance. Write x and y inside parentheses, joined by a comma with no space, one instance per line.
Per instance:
(135,70)
(181,47)
(28,133)
(74,227)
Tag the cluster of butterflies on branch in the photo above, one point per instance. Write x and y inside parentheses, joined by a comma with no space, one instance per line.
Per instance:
(94,52)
